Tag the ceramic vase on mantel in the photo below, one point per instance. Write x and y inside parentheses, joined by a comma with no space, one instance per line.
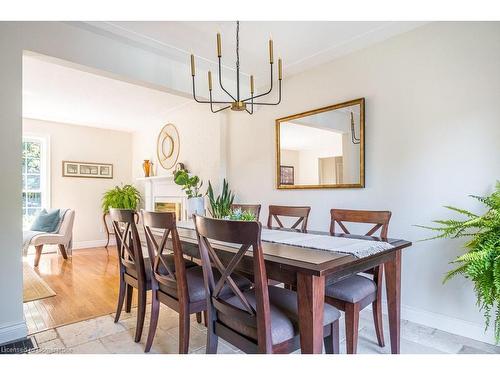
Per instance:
(146,166)
(195,206)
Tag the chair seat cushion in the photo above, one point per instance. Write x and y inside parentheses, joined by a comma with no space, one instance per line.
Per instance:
(284,315)
(49,239)
(352,289)
(196,284)
(169,259)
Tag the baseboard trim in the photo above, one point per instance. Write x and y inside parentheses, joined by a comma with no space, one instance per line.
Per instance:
(445,323)
(13,332)
(89,244)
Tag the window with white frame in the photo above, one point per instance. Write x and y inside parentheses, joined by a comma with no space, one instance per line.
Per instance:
(35,171)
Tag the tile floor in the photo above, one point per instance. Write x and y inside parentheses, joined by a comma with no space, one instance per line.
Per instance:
(102,335)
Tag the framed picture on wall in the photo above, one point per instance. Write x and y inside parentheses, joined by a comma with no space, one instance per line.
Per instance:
(286,175)
(87,169)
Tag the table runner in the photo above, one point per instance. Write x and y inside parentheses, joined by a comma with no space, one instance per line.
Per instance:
(357,247)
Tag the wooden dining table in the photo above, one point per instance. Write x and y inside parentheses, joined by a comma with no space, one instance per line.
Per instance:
(310,270)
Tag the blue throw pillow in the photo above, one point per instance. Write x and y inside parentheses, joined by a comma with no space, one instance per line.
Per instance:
(46,221)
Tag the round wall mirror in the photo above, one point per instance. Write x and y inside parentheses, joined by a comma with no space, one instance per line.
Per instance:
(167,147)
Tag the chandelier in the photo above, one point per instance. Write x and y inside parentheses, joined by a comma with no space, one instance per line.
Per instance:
(238,103)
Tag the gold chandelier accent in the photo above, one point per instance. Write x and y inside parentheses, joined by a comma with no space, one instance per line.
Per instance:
(237,103)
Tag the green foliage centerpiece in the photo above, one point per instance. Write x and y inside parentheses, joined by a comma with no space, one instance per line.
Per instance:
(127,197)
(239,214)
(481,263)
(220,206)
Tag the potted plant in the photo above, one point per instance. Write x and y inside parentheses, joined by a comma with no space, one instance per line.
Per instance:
(220,206)
(191,186)
(240,215)
(126,196)
(481,262)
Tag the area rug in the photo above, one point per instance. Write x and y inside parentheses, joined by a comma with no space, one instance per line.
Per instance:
(33,286)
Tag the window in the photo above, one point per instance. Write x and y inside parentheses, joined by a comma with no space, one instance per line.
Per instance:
(35,177)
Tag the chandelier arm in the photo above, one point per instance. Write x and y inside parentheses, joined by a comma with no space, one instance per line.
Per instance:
(194,95)
(251,111)
(220,109)
(212,103)
(220,80)
(205,101)
(265,93)
(279,97)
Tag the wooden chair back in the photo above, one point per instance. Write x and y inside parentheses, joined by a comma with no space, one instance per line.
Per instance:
(379,218)
(299,212)
(253,208)
(247,235)
(128,243)
(164,224)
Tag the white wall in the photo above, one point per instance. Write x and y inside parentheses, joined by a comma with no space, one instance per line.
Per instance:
(432,137)
(202,144)
(87,144)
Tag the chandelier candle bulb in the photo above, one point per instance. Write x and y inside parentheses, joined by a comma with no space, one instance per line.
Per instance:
(280,71)
(192,66)
(219,48)
(271,60)
(210,80)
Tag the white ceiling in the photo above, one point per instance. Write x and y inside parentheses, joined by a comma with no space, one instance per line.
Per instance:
(301,44)
(54,92)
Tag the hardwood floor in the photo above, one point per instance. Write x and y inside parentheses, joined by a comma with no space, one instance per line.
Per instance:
(86,286)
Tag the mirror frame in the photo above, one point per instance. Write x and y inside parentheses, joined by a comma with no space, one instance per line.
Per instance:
(361,184)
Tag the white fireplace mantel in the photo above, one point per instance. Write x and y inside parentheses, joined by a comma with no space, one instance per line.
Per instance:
(161,189)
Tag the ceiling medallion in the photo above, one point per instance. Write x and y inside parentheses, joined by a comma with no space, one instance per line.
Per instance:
(237,103)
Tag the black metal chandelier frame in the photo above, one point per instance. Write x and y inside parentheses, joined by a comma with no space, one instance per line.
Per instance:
(237,103)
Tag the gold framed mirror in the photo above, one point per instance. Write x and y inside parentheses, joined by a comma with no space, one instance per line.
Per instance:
(323,148)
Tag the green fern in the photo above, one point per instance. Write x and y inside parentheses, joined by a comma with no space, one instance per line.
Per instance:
(481,264)
(126,196)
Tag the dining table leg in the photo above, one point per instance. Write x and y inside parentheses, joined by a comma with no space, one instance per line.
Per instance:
(392,270)
(311,300)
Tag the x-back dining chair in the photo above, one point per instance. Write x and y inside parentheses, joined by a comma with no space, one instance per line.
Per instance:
(263,319)
(169,276)
(252,208)
(133,270)
(354,293)
(175,281)
(299,212)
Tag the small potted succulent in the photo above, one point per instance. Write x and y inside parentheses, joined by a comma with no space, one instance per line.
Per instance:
(240,215)
(191,185)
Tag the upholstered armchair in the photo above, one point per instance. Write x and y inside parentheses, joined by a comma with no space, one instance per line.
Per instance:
(63,238)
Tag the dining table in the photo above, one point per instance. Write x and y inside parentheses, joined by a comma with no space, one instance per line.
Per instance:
(309,270)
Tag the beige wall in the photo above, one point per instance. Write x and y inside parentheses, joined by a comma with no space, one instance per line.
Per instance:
(83,143)
(432,137)
(202,143)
